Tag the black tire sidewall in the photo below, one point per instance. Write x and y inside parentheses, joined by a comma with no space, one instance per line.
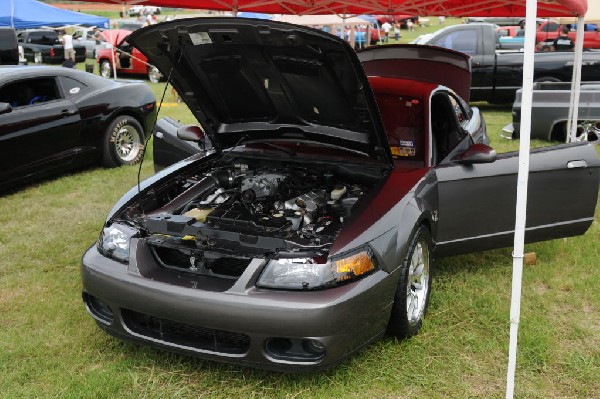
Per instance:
(398,324)
(109,153)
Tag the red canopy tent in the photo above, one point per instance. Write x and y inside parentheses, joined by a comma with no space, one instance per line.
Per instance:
(457,8)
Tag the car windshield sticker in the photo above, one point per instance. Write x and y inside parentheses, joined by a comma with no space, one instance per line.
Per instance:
(74,90)
(405,148)
(200,38)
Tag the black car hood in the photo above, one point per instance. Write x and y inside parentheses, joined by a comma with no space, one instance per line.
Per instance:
(248,79)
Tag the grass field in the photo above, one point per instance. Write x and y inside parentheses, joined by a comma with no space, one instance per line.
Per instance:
(51,348)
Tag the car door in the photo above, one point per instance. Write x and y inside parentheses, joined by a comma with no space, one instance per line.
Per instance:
(477,202)
(41,129)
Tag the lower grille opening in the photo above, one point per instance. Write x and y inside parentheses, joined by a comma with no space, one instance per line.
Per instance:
(186,334)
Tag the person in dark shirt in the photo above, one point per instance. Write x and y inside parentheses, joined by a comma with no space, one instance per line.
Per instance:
(563,42)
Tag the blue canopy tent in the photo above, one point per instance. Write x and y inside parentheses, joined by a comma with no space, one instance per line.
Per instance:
(22,14)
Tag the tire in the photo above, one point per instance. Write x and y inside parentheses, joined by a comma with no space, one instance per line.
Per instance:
(154,74)
(123,142)
(587,130)
(105,69)
(547,79)
(412,294)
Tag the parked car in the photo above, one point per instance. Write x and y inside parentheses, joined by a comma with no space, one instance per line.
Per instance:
(43,45)
(54,119)
(128,60)
(9,54)
(131,25)
(550,30)
(138,10)
(311,226)
(511,37)
(502,21)
(85,37)
(550,112)
(498,74)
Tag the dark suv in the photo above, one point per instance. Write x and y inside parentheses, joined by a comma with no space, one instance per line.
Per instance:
(9,53)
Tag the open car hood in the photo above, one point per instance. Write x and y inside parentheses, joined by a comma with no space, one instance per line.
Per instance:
(248,79)
(428,63)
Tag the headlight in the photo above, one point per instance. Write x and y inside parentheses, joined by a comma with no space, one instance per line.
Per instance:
(307,273)
(114,241)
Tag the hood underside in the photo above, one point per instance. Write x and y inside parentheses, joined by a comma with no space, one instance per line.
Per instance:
(256,79)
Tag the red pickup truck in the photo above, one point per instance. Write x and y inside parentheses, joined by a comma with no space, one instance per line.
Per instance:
(128,59)
(548,31)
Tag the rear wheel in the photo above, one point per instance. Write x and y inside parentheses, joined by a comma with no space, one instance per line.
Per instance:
(587,130)
(123,142)
(547,79)
(105,69)
(412,294)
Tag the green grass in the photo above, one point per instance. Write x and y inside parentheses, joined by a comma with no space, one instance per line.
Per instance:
(51,348)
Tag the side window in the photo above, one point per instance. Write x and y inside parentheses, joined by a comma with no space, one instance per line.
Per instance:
(550,27)
(446,135)
(461,115)
(77,34)
(71,86)
(29,92)
(463,40)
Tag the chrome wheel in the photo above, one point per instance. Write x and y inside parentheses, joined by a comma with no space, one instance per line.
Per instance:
(588,131)
(418,283)
(105,69)
(154,74)
(128,143)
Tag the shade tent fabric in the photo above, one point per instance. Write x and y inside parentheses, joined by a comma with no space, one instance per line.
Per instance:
(320,20)
(23,14)
(592,15)
(458,8)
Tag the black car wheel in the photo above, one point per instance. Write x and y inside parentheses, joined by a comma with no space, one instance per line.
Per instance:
(412,294)
(105,69)
(123,142)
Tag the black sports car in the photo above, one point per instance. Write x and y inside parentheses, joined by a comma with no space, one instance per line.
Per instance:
(308,227)
(54,119)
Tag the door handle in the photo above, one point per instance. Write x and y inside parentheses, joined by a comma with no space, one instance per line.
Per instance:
(68,112)
(576,164)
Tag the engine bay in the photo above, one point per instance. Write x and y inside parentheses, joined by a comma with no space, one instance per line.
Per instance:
(251,208)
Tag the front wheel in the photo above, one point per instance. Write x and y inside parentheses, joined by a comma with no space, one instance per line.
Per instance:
(105,69)
(123,142)
(154,74)
(412,294)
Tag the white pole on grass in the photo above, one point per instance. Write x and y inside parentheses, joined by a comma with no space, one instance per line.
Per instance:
(522,180)
(576,85)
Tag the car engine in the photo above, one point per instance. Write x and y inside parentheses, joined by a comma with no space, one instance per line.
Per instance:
(256,210)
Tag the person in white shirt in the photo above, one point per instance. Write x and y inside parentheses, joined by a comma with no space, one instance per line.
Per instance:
(67,41)
(386,29)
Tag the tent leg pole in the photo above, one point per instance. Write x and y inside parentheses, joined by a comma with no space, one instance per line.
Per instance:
(576,84)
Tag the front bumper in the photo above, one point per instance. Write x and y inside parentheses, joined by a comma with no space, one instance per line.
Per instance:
(249,326)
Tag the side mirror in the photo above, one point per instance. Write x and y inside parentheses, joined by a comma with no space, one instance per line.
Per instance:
(477,153)
(5,108)
(190,133)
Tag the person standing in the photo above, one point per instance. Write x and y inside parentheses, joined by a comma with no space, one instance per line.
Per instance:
(563,42)
(410,24)
(67,41)
(386,29)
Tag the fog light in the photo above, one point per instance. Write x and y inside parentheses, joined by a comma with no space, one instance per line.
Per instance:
(313,346)
(99,309)
(295,350)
